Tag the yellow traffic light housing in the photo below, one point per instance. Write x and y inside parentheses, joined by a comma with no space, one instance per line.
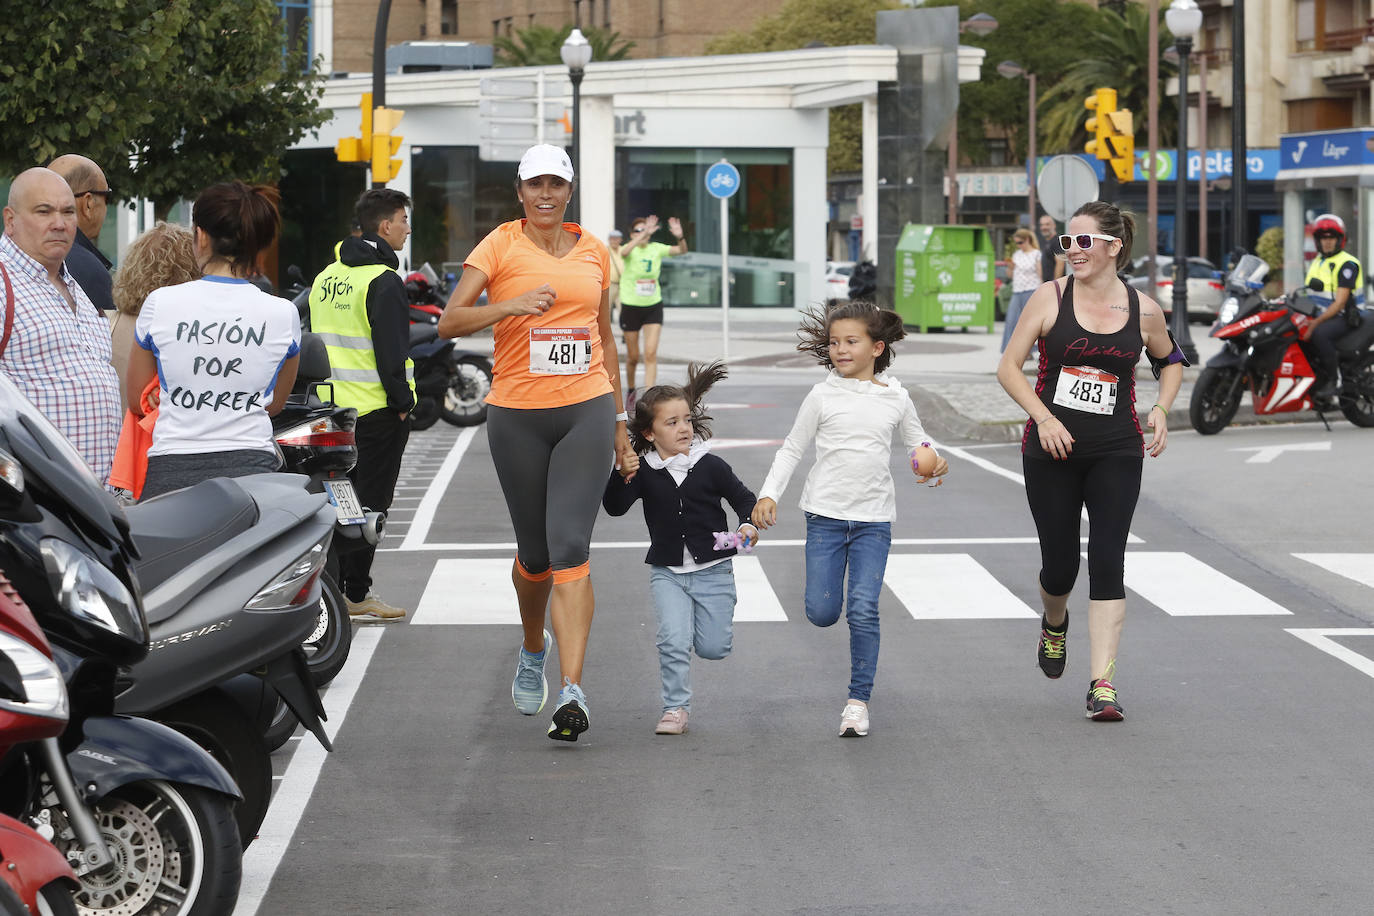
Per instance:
(1122,144)
(1102,103)
(384,145)
(358,149)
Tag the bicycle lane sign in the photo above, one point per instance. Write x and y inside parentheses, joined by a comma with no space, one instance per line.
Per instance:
(722,180)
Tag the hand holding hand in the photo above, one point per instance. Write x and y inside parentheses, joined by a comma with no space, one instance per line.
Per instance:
(535,302)
(765,514)
(629,466)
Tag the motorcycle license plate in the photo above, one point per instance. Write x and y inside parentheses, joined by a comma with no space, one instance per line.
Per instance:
(344,499)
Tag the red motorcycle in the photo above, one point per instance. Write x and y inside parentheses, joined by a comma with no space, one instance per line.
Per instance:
(33,706)
(1262,354)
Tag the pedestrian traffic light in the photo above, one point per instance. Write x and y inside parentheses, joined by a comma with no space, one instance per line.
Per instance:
(1121,139)
(1101,103)
(358,149)
(384,145)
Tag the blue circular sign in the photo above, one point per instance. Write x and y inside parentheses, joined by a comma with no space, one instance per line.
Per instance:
(722,180)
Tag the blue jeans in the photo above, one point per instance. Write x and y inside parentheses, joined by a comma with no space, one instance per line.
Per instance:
(695,610)
(832,544)
(1018,302)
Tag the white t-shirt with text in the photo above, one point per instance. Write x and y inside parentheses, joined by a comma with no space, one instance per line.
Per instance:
(219,344)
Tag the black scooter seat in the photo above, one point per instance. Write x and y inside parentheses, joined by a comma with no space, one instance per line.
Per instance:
(422,334)
(178,527)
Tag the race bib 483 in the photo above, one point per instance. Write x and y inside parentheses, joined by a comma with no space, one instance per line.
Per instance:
(1087,389)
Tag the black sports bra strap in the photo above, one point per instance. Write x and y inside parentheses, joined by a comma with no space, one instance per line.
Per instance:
(1059,291)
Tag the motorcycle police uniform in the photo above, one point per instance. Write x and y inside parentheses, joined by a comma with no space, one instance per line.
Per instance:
(359,308)
(1326,275)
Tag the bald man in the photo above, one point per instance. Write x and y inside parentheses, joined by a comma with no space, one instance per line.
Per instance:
(87,263)
(59,349)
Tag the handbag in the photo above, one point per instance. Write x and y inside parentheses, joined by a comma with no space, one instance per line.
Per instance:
(9,309)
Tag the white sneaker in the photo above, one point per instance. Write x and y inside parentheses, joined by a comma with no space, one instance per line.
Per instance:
(854,719)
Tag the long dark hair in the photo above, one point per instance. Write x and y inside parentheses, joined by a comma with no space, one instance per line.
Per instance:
(880,323)
(699,381)
(241,220)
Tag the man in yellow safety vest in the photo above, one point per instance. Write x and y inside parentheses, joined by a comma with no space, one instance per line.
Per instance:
(358,306)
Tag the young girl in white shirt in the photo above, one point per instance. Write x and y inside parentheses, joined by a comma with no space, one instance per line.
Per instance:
(849,499)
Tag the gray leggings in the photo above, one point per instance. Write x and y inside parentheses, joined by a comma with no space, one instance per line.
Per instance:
(552,464)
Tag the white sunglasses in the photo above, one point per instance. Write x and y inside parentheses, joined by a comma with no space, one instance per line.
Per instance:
(1084,240)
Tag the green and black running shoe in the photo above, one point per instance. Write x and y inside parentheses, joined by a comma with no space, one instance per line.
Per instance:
(1051,652)
(1103,705)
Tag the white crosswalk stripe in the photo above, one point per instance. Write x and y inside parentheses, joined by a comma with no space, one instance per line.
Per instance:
(930,586)
(1183,586)
(950,586)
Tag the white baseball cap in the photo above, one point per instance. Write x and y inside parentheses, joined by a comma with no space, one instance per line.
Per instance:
(545,159)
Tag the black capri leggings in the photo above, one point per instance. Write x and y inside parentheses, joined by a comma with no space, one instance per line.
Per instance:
(552,464)
(1057,492)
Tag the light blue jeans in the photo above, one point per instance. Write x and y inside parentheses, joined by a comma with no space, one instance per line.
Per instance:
(695,610)
(1014,308)
(832,545)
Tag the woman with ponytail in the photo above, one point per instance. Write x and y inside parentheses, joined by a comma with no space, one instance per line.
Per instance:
(223,352)
(691,577)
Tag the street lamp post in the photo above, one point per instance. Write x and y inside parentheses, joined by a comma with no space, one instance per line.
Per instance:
(1011,69)
(576,53)
(978,24)
(1184,19)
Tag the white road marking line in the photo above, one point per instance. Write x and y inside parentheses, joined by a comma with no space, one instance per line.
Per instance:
(1357,566)
(1183,586)
(757,603)
(468,591)
(1321,639)
(950,587)
(429,506)
(260,860)
(1265,454)
(766,544)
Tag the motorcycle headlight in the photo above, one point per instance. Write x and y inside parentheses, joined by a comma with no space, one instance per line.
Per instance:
(90,591)
(1229,307)
(30,682)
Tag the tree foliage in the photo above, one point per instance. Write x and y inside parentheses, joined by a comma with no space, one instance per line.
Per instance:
(1072,48)
(167,96)
(806,22)
(540,46)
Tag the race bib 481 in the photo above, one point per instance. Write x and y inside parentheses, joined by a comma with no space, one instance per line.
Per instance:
(560,351)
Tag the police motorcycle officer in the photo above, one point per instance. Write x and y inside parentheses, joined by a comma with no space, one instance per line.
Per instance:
(1336,282)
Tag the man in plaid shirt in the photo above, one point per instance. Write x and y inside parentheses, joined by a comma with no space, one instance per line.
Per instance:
(59,350)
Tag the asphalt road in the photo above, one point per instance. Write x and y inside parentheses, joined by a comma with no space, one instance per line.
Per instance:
(1237,783)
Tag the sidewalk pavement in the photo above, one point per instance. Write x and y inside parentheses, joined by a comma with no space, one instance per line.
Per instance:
(952,376)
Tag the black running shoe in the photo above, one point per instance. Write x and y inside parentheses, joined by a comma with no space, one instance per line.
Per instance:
(1103,705)
(571,718)
(1051,653)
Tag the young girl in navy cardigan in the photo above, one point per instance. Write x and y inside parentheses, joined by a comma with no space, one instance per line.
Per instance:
(682,484)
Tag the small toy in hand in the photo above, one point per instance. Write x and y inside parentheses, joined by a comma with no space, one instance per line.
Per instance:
(923,459)
(727,539)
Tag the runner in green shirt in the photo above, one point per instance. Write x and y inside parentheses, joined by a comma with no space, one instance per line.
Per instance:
(641,296)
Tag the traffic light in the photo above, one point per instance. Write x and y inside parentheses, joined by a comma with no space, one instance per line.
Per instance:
(1101,103)
(358,149)
(384,145)
(1122,142)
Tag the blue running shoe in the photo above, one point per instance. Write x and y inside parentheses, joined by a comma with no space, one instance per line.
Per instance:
(530,690)
(570,719)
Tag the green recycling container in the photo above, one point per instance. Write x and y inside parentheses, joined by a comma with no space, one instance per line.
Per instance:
(944,277)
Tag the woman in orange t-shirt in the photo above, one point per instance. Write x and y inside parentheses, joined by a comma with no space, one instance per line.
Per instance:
(555,407)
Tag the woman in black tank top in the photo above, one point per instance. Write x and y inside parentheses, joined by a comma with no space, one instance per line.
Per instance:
(1083,445)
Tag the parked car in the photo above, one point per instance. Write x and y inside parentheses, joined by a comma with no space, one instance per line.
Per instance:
(837,279)
(1205,288)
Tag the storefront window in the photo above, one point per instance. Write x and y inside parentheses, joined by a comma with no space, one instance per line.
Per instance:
(669,182)
(318,193)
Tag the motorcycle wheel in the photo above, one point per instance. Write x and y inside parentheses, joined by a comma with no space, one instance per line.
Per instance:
(327,648)
(424,414)
(465,400)
(216,723)
(1215,400)
(176,851)
(56,899)
(1358,403)
(283,727)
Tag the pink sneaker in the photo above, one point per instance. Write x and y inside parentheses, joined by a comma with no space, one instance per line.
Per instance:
(674,722)
(854,719)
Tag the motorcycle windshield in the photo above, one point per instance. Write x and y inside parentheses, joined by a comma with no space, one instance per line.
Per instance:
(49,457)
(1248,274)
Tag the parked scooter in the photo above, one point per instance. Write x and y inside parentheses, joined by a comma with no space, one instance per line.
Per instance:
(33,707)
(1262,354)
(457,381)
(143,814)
